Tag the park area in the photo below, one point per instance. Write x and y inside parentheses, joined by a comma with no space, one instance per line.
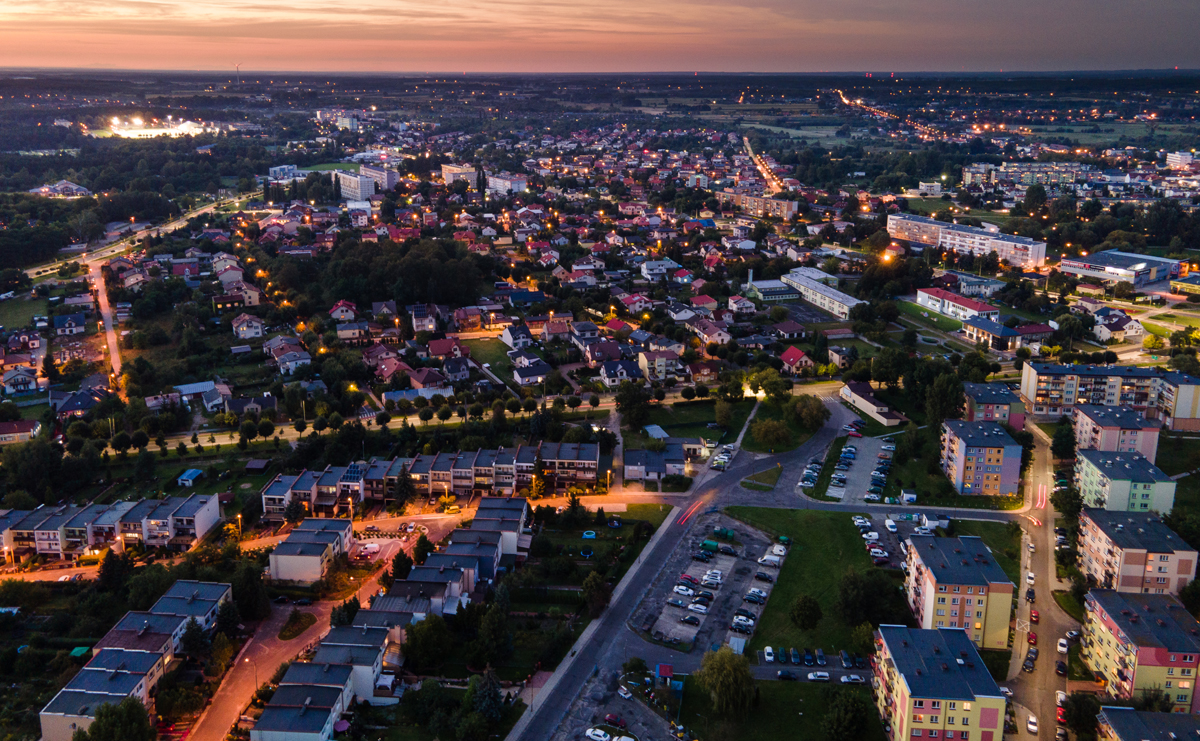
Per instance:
(691,419)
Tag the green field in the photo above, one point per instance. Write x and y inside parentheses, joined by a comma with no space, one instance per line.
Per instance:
(19,312)
(493,352)
(826,544)
(1005,545)
(352,166)
(690,419)
(1177,454)
(769,411)
(764,480)
(783,710)
(944,323)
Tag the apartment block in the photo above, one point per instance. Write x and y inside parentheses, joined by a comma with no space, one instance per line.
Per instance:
(385,177)
(1050,391)
(956,583)
(505,183)
(1019,251)
(1116,429)
(354,187)
(1133,552)
(980,458)
(451,173)
(305,555)
(814,288)
(1140,642)
(1122,482)
(933,684)
(759,205)
(994,402)
(953,305)
(1118,723)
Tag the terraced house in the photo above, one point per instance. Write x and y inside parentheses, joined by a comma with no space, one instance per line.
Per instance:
(1138,643)
(933,684)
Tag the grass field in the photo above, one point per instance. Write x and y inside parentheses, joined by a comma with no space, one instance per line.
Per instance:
(690,419)
(784,710)
(297,623)
(655,514)
(769,411)
(352,166)
(919,313)
(1005,545)
(1070,605)
(34,411)
(19,312)
(763,480)
(1156,329)
(1177,454)
(826,544)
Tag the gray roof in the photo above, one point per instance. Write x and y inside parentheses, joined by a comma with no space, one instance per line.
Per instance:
(150,622)
(1124,466)
(990,393)
(318,675)
(192,505)
(1128,724)
(293,720)
(1126,418)
(508,504)
(138,662)
(120,682)
(347,635)
(75,702)
(964,560)
(430,575)
(942,663)
(1125,371)
(1150,620)
(398,602)
(297,695)
(188,588)
(354,655)
(1137,531)
(980,434)
(1118,259)
(318,524)
(993,328)
(293,548)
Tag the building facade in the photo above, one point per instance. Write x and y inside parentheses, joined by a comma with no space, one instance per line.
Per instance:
(1133,552)
(994,402)
(1122,482)
(1050,391)
(1116,430)
(815,290)
(1018,251)
(956,583)
(980,458)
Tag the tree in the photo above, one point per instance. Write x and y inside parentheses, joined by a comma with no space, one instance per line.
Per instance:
(633,402)
(727,678)
(422,549)
(869,596)
(427,643)
(810,412)
(404,489)
(1153,342)
(139,439)
(194,641)
(124,721)
(846,715)
(944,400)
(228,618)
(771,432)
(294,511)
(114,571)
(266,428)
(805,612)
(248,431)
(1062,445)
(1080,710)
(401,565)
(596,593)
(249,592)
(489,700)
(121,442)
(723,413)
(144,466)
(220,655)
(50,368)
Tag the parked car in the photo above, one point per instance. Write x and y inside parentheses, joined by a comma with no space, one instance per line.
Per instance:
(820,657)
(754,599)
(698,607)
(689,578)
(615,720)
(595,734)
(1060,668)
(872,497)
(808,658)
(769,655)
(1063,645)
(795,656)
(818,676)
(1031,725)
(785,675)
(1029,578)
(763,576)
(1032,639)
(676,602)
(690,620)
(1027,666)
(852,679)
(1072,635)
(1034,616)
(685,591)
(624,693)
(1030,595)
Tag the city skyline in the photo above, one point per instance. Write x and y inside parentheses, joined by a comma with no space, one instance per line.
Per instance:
(477,37)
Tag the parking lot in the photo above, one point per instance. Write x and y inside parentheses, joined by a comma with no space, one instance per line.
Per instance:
(853,488)
(660,612)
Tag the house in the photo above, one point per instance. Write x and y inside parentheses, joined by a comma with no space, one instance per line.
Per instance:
(70,324)
(705,371)
(247,327)
(517,336)
(19,431)
(961,566)
(450,347)
(427,378)
(861,396)
(531,374)
(741,305)
(599,352)
(344,311)
(304,556)
(794,360)
(558,329)
(1133,552)
(384,311)
(708,303)
(456,370)
(954,305)
(839,356)
(388,367)
(423,316)
(651,465)
(789,330)
(1118,328)
(992,334)
(679,312)
(658,365)
(614,372)
(20,380)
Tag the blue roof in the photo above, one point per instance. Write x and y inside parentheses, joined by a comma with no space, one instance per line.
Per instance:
(191,474)
(993,328)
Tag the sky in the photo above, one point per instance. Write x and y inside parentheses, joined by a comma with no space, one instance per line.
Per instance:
(613,36)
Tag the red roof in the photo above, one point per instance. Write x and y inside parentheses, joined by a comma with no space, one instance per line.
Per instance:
(954,298)
(1035,329)
(792,355)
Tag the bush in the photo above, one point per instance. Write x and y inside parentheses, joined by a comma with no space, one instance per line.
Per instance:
(771,432)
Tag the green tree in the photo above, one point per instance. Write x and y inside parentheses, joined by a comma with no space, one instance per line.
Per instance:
(220,655)
(422,549)
(194,641)
(248,431)
(805,612)
(810,412)
(1080,711)
(266,428)
(1153,342)
(295,511)
(847,715)
(596,593)
(144,466)
(427,643)
(404,490)
(228,618)
(114,572)
(633,402)
(771,432)
(402,564)
(944,400)
(1062,445)
(489,700)
(249,592)
(727,678)
(124,721)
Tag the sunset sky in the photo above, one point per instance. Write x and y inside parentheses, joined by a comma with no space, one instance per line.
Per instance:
(620,35)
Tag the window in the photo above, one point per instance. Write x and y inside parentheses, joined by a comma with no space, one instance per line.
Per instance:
(1164,558)
(1187,672)
(941,613)
(1168,683)
(919,704)
(936,704)
(1172,657)
(1170,671)
(941,600)
(950,720)
(1180,698)
(1189,659)
(942,588)
(956,590)
(954,600)
(916,732)
(979,602)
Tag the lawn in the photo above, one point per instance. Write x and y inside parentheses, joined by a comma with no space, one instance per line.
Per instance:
(19,312)
(770,411)
(655,514)
(933,319)
(782,710)
(1187,493)
(1076,667)
(297,623)
(492,352)
(1156,329)
(1177,454)
(34,411)
(997,662)
(826,544)
(1004,544)
(1070,605)
(767,478)
(351,166)
(689,419)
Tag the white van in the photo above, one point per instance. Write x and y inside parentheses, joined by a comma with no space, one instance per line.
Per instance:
(769,560)
(890,525)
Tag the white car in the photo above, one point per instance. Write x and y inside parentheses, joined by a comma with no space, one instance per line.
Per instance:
(922,530)
(852,679)
(743,620)
(1006,692)
(769,655)
(888,447)
(595,734)
(685,591)
(758,592)
(1063,646)
(871,536)
(818,676)
(879,553)
(1029,578)
(779,550)
(713,574)
(1060,698)
(871,498)
(625,693)
(66,577)
(1031,548)
(1031,725)
(697,607)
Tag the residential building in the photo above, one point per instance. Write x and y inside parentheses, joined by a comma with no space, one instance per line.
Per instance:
(994,402)
(1122,482)
(956,583)
(1114,266)
(614,372)
(304,556)
(385,177)
(861,396)
(194,599)
(1116,430)
(22,430)
(954,305)
(759,205)
(1019,251)
(1117,723)
(70,324)
(1050,391)
(815,290)
(354,187)
(658,365)
(1133,552)
(1137,643)
(992,334)
(795,360)
(934,684)
(247,327)
(505,183)
(980,458)
(453,173)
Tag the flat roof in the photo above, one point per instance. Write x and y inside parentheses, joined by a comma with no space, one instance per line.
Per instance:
(980,434)
(1123,466)
(292,548)
(990,393)
(941,663)
(963,560)
(80,703)
(318,675)
(1137,530)
(1118,259)
(1126,418)
(293,720)
(297,695)
(1150,620)
(353,655)
(1128,724)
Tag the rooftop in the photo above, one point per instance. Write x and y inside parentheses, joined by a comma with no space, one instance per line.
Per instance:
(990,393)
(1137,530)
(1128,724)
(1150,620)
(1123,466)
(964,560)
(1126,418)
(980,434)
(942,663)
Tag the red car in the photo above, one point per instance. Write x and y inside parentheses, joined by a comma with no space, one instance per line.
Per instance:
(881,561)
(1033,639)
(1034,616)
(1062,716)
(689,579)
(616,720)
(852,433)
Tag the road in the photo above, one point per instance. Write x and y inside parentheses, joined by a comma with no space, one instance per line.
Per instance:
(106,319)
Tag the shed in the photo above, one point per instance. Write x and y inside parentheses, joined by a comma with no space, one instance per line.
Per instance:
(190,477)
(257,465)
(656,433)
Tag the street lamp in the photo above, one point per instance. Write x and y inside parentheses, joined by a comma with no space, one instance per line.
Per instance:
(255,665)
(239,526)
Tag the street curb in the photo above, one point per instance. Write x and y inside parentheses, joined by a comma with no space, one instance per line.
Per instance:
(588,632)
